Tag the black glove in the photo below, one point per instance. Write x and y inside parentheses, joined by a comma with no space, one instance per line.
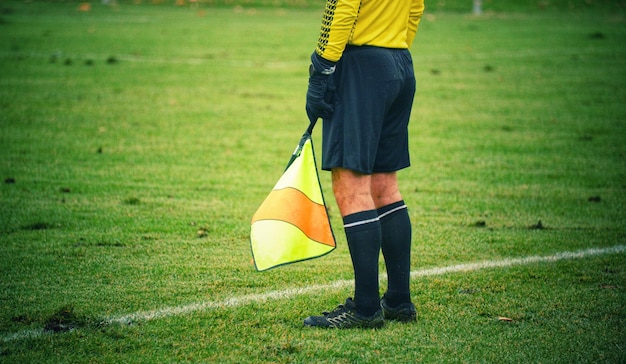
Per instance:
(319,94)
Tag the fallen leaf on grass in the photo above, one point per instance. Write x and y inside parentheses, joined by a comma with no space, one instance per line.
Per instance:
(84,7)
(480,223)
(606,286)
(203,232)
(594,199)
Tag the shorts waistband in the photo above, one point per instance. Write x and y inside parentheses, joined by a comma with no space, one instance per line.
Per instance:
(352,47)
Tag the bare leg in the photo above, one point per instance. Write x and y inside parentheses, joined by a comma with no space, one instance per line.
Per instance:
(384,189)
(352,191)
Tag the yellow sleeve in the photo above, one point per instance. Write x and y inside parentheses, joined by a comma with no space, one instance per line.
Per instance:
(340,15)
(417,9)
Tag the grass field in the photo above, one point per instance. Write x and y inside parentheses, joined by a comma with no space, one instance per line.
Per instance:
(136,142)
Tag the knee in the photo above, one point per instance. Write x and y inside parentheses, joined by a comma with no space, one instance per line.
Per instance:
(352,191)
(384,190)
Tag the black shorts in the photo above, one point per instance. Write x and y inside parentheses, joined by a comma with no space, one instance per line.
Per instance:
(367,132)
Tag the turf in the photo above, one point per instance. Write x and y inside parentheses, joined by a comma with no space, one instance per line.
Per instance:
(137,140)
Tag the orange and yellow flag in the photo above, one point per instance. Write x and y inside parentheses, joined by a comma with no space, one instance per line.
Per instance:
(292,224)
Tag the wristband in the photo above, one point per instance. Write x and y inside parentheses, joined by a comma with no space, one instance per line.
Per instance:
(320,66)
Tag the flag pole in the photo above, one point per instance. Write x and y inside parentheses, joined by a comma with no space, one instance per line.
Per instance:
(305,136)
(309,130)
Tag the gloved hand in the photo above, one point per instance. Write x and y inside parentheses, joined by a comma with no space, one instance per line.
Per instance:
(319,94)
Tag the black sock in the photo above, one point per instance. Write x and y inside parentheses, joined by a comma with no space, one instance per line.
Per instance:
(396,246)
(364,238)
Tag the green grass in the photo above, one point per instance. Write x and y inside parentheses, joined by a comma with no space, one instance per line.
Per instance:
(137,141)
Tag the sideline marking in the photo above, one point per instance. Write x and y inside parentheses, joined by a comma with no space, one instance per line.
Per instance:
(287,293)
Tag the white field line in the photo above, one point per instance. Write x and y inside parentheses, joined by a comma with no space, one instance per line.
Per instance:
(292,292)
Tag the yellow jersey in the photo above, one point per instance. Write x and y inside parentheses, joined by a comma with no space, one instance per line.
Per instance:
(381,23)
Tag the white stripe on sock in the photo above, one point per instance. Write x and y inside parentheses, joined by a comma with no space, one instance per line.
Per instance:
(362,222)
(392,211)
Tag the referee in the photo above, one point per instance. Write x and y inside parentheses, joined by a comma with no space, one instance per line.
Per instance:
(362,85)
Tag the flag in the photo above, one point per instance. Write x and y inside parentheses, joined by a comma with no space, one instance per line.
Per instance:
(292,223)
